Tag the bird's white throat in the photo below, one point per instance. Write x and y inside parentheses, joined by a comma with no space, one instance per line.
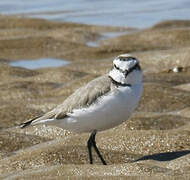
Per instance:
(134,77)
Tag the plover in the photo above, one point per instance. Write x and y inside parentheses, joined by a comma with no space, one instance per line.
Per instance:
(103,103)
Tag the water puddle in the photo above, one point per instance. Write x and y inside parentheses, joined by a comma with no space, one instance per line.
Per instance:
(105,36)
(39,63)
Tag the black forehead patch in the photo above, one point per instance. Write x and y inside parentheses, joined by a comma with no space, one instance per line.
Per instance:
(126,58)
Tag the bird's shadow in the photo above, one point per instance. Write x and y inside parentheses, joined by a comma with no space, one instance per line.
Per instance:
(167,156)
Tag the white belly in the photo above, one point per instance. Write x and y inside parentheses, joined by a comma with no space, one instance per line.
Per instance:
(108,111)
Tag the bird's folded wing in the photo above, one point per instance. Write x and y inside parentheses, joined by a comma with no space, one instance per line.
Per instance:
(83,97)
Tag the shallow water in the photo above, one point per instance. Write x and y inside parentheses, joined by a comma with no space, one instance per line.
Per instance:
(115,13)
(39,63)
(104,36)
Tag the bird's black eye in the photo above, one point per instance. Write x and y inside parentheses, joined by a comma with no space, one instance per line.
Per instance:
(133,58)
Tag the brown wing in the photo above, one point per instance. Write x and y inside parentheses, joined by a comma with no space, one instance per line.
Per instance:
(84,96)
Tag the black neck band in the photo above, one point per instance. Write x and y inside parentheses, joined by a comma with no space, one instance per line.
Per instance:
(119,83)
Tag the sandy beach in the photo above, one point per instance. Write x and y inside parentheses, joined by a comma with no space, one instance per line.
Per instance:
(155,141)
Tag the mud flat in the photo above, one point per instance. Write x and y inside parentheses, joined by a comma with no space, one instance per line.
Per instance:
(155,141)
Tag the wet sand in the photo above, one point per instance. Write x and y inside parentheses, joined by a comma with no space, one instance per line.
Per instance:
(154,141)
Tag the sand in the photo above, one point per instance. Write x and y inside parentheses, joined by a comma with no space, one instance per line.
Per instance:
(155,141)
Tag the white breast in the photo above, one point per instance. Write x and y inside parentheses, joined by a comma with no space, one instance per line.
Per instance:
(108,111)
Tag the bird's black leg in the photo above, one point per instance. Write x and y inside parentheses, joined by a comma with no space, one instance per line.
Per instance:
(89,144)
(92,142)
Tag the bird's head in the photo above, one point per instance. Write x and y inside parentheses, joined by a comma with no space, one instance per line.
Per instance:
(126,70)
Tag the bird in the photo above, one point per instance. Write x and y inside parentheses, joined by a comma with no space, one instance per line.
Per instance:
(103,103)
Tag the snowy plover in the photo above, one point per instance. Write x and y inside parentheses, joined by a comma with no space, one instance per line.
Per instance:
(103,103)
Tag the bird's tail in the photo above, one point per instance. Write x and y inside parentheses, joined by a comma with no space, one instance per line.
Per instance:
(38,120)
(28,123)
